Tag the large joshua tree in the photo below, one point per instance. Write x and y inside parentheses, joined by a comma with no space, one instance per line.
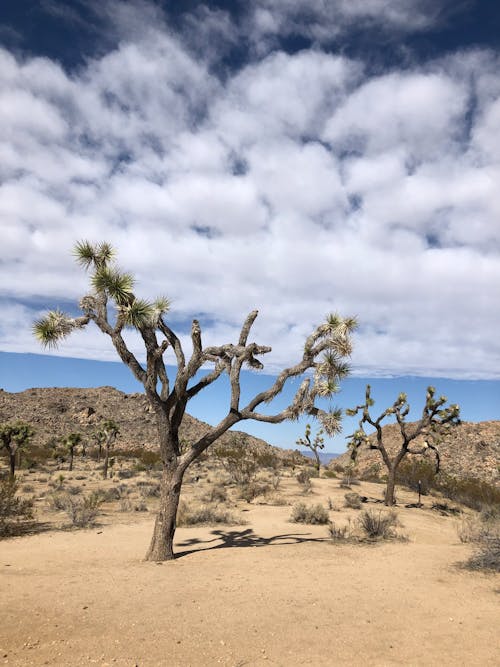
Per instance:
(434,423)
(113,306)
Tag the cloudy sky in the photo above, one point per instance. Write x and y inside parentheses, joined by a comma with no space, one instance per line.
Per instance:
(295,156)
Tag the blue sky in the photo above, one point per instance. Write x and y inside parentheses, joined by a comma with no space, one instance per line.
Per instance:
(293,156)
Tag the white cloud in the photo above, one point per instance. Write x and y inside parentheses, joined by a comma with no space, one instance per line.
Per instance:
(298,185)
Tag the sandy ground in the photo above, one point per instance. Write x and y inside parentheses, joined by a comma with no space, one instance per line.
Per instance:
(269,592)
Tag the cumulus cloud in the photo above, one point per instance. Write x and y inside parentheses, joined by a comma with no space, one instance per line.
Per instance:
(298,184)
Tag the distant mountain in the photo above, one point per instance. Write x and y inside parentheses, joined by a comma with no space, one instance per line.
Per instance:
(55,412)
(324,457)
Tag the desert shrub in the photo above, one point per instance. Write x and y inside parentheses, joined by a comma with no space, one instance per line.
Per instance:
(472,492)
(140,506)
(276,481)
(204,514)
(472,529)
(80,477)
(13,510)
(56,501)
(412,471)
(28,488)
(74,490)
(303,477)
(378,525)
(329,474)
(238,462)
(311,514)
(215,494)
(352,500)
(486,555)
(126,505)
(253,489)
(82,512)
(126,474)
(276,500)
(340,533)
(149,490)
(490,513)
(372,474)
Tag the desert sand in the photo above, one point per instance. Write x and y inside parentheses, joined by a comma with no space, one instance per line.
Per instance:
(268,592)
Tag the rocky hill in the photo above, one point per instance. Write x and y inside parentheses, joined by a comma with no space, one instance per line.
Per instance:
(55,412)
(471,450)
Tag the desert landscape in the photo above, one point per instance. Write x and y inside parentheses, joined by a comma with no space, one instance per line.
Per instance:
(249,586)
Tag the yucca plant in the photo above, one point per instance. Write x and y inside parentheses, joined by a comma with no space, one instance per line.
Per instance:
(113,306)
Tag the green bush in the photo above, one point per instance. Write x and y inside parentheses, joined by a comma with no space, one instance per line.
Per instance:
(472,492)
(13,510)
(311,514)
(413,470)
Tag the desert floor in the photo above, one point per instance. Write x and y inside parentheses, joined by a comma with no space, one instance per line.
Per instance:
(268,592)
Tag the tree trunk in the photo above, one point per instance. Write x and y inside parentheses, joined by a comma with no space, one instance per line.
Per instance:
(162,542)
(12,464)
(70,460)
(106,461)
(318,463)
(391,483)
(99,453)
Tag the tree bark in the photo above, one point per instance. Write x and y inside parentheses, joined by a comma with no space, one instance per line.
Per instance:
(106,461)
(162,542)
(70,461)
(12,464)
(391,483)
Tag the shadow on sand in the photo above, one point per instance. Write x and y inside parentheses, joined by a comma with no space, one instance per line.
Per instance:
(226,539)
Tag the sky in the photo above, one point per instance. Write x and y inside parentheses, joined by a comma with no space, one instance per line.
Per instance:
(295,156)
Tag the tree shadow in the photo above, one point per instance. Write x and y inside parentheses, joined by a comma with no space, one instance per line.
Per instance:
(22,528)
(227,539)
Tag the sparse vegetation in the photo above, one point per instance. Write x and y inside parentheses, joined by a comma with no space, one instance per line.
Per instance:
(312,514)
(191,515)
(379,525)
(13,438)
(13,509)
(82,512)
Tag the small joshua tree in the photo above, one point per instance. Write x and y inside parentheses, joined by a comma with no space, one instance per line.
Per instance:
(112,306)
(70,443)
(110,430)
(314,445)
(13,437)
(99,438)
(433,425)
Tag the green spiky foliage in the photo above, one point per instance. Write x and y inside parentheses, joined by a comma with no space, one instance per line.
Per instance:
(112,305)
(14,437)
(434,425)
(315,445)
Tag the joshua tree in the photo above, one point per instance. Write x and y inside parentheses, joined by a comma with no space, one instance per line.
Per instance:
(110,430)
(99,438)
(13,437)
(113,306)
(69,444)
(314,445)
(433,425)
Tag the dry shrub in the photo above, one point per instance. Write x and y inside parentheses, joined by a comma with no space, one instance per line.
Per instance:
(253,489)
(276,500)
(215,494)
(82,512)
(379,525)
(352,500)
(311,514)
(188,515)
(303,477)
(486,555)
(339,534)
(13,510)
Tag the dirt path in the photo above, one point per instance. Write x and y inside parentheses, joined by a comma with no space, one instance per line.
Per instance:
(266,593)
